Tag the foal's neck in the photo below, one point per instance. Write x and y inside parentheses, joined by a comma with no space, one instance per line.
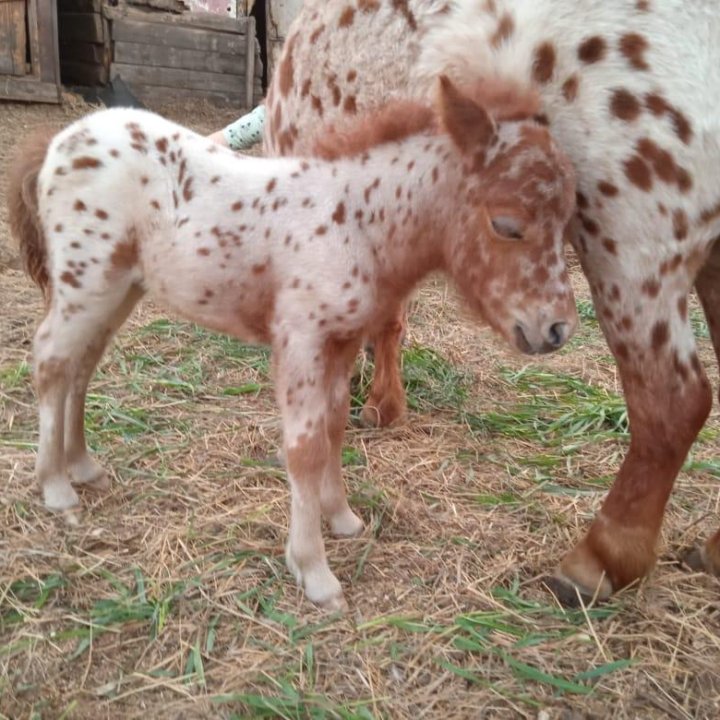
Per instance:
(404,198)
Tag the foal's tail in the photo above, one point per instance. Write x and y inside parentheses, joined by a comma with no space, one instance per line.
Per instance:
(22,199)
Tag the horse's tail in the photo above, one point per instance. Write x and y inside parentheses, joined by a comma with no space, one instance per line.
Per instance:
(22,199)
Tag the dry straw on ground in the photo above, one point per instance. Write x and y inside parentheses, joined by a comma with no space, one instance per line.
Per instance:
(170,599)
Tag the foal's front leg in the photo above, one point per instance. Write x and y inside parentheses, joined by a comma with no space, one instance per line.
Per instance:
(302,396)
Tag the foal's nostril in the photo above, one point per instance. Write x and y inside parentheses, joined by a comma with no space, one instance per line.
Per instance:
(521,339)
(557,334)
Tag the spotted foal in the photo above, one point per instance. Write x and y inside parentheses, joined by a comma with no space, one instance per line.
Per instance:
(306,255)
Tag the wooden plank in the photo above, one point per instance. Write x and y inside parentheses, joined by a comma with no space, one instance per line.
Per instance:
(177,78)
(172,57)
(13,46)
(93,53)
(44,43)
(250,61)
(28,88)
(76,72)
(33,25)
(81,27)
(179,37)
(79,6)
(196,20)
(155,94)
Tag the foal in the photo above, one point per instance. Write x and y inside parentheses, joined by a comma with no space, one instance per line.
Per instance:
(306,255)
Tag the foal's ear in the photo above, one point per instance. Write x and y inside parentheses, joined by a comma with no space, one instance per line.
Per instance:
(468,123)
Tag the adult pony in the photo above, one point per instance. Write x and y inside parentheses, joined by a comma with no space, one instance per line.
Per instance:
(634,103)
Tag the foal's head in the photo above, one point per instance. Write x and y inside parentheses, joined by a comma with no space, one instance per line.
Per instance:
(505,249)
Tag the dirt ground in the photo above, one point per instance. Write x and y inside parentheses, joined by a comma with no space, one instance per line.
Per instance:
(170,599)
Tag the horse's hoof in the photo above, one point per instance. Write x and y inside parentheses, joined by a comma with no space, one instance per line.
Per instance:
(572,594)
(700,560)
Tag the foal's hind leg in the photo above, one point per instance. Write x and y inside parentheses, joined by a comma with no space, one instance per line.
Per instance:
(386,401)
(707,285)
(333,498)
(83,469)
(68,344)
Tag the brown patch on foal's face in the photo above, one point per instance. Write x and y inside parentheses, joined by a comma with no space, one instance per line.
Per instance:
(510,255)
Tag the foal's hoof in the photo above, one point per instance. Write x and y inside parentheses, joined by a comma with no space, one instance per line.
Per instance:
(59,495)
(347,525)
(381,414)
(89,473)
(321,587)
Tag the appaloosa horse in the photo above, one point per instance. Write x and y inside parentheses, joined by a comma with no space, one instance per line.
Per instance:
(630,89)
(306,255)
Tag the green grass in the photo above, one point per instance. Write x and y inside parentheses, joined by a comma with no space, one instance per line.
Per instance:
(556,411)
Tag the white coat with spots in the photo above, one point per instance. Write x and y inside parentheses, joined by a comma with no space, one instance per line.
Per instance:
(630,90)
(306,255)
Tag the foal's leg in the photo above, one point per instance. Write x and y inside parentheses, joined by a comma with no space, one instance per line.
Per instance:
(386,402)
(668,398)
(302,397)
(707,285)
(82,467)
(333,498)
(68,344)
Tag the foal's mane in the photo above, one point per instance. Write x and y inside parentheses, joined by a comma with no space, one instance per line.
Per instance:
(399,119)
(394,121)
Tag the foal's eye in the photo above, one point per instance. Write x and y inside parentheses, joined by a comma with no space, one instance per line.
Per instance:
(507,227)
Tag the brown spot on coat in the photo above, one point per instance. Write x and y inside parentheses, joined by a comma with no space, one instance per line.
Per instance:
(638,173)
(504,30)
(633,47)
(125,254)
(610,245)
(162,145)
(86,163)
(680,224)
(101,214)
(624,105)
(570,88)
(592,49)
(70,279)
(287,69)
(346,17)
(544,62)
(660,334)
(339,215)
(659,106)
(607,188)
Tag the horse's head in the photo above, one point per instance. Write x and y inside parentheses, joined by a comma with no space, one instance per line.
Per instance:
(505,250)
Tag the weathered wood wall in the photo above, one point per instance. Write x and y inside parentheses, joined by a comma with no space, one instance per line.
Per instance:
(161,55)
(29,51)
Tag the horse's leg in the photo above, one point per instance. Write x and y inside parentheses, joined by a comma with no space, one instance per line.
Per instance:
(302,397)
(386,401)
(84,469)
(707,285)
(333,498)
(668,398)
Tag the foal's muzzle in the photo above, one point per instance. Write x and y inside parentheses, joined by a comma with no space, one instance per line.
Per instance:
(547,339)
